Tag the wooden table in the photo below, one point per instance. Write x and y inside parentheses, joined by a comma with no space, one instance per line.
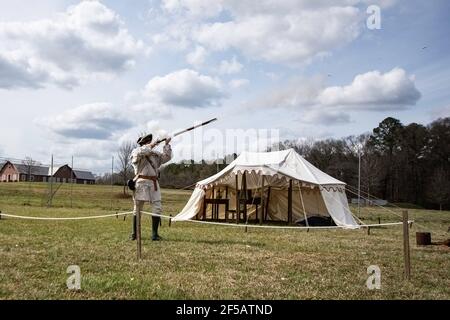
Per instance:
(215,207)
(256,201)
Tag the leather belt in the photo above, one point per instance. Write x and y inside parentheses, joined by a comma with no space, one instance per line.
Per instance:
(153,178)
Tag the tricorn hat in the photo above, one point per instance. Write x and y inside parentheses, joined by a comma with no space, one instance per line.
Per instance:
(145,139)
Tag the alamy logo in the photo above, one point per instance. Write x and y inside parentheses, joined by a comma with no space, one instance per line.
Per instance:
(74,281)
(374,279)
(374,20)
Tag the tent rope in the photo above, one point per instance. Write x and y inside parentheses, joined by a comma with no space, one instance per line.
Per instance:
(303,205)
(393,212)
(387,209)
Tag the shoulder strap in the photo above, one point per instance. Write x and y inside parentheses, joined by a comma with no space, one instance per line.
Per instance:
(151,164)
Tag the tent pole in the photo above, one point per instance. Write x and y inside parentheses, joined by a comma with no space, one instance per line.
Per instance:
(290,202)
(267,204)
(244,188)
(262,200)
(226,207)
(303,204)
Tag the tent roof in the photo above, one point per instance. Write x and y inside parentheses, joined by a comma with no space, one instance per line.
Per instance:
(286,163)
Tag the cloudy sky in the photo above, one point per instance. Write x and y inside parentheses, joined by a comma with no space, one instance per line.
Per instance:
(81,77)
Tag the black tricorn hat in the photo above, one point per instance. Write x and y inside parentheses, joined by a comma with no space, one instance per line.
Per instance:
(145,139)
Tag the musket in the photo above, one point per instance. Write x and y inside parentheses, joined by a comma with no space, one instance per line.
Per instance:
(186,130)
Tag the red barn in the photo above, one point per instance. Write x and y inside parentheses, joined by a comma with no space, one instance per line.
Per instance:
(14,172)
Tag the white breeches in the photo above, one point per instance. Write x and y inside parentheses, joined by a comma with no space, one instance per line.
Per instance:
(139,205)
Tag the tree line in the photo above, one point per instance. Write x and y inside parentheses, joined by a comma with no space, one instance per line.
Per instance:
(399,163)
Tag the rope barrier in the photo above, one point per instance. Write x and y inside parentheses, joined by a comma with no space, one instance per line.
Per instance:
(273,227)
(66,218)
(197,221)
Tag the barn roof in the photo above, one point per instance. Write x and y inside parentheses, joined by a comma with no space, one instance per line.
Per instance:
(84,175)
(35,170)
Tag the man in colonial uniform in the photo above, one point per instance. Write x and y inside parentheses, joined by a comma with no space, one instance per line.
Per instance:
(146,163)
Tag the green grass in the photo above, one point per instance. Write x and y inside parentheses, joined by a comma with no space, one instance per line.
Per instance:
(205,262)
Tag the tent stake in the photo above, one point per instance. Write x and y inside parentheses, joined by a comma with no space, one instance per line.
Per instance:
(406,245)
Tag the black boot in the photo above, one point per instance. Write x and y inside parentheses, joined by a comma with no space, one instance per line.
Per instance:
(133,234)
(155,225)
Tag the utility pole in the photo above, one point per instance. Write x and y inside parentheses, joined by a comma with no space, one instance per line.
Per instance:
(51,184)
(112,180)
(71,185)
(359,182)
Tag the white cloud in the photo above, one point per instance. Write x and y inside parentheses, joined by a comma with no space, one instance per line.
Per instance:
(185,88)
(296,93)
(238,83)
(197,57)
(374,90)
(92,121)
(371,91)
(194,8)
(230,67)
(290,37)
(87,40)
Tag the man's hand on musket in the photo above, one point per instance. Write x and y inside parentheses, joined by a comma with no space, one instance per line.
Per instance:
(168,140)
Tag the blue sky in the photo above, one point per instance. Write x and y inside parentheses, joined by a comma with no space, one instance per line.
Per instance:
(79,78)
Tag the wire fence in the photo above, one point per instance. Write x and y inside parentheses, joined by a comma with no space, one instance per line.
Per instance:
(58,183)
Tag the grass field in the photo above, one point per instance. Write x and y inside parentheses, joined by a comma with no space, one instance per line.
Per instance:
(205,262)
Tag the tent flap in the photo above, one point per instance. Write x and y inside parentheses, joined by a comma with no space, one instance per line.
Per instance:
(337,206)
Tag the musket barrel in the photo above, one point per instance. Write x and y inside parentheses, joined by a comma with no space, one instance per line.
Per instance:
(188,129)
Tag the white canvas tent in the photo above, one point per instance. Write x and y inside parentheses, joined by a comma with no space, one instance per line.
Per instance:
(288,188)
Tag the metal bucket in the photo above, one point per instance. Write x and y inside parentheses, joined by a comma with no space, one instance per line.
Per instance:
(423,238)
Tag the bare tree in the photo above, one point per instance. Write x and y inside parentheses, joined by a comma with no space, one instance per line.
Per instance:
(30,165)
(125,169)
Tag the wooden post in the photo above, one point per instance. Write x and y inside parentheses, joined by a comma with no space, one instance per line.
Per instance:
(290,202)
(368,231)
(138,234)
(261,217)
(237,199)
(406,246)
(170,220)
(0,214)
(379,220)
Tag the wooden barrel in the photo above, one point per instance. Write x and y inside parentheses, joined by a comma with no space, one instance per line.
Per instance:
(423,238)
